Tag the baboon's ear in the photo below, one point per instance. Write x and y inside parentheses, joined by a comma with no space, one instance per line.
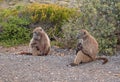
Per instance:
(40,28)
(84,32)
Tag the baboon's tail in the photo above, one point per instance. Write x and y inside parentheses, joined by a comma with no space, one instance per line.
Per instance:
(23,53)
(102,58)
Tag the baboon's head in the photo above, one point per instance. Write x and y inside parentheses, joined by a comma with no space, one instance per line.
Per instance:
(82,34)
(37,33)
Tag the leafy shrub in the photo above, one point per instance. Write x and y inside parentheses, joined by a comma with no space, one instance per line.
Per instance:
(50,14)
(14,31)
(100,19)
(16,21)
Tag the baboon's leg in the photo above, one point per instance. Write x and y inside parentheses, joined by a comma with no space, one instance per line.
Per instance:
(81,57)
(78,58)
(47,51)
(35,52)
(86,58)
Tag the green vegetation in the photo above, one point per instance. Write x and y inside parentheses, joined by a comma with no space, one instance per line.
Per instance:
(14,31)
(50,14)
(100,18)
(16,23)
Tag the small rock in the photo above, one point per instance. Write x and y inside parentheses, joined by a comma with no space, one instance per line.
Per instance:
(62,54)
(13,49)
(32,1)
(56,47)
(7,50)
(109,72)
(1,47)
(46,2)
(62,3)
(12,3)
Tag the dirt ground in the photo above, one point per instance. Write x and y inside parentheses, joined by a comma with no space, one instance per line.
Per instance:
(54,50)
(53,68)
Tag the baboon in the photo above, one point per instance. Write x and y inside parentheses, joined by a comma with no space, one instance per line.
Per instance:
(39,44)
(87,49)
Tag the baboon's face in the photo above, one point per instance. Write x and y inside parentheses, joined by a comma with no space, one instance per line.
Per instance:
(36,36)
(37,33)
(82,34)
(80,41)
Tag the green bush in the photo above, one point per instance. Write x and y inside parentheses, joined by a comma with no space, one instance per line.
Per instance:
(14,31)
(99,17)
(16,22)
(49,14)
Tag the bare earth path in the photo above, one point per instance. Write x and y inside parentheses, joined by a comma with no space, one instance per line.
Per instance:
(52,68)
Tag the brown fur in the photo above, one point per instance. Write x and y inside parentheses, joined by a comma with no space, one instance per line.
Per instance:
(89,49)
(39,44)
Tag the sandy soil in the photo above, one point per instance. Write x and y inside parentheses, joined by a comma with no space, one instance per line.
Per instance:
(53,68)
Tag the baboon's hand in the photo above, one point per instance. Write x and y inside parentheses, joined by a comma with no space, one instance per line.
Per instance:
(79,47)
(73,64)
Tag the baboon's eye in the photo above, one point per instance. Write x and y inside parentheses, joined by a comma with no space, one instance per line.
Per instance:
(84,33)
(35,34)
(41,30)
(78,35)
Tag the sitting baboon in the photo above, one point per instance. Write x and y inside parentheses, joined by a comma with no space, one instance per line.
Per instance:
(87,49)
(39,44)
